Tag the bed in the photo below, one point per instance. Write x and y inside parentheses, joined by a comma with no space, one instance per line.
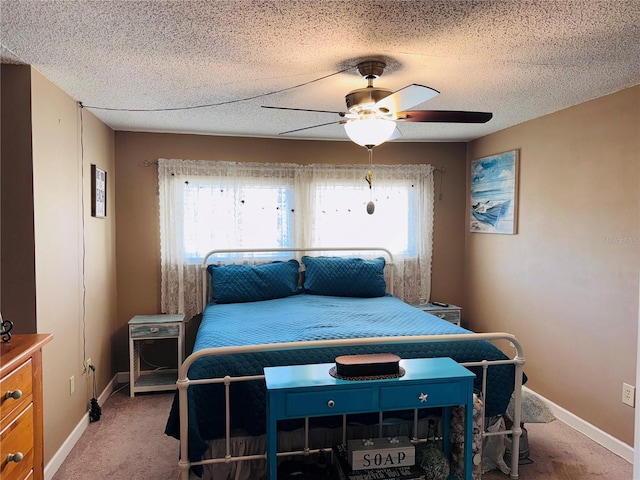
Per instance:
(270,315)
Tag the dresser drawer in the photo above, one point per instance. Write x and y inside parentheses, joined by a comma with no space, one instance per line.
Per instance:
(422,396)
(17,437)
(154,331)
(19,383)
(313,403)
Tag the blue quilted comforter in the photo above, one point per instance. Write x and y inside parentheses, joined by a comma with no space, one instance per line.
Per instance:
(307,317)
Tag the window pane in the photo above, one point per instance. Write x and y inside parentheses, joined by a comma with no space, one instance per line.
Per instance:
(246,216)
(341,217)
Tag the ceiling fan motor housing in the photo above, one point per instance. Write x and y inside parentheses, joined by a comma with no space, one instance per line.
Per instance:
(363,99)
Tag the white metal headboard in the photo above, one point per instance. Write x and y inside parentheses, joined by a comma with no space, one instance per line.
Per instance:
(212,253)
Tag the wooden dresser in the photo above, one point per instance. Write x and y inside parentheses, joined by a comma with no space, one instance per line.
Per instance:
(21,407)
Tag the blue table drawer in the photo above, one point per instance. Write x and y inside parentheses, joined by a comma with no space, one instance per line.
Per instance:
(325,402)
(422,396)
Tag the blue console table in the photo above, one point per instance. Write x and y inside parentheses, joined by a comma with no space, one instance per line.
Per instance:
(300,391)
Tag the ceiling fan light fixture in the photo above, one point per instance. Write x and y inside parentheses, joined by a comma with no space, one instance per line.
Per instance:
(369,132)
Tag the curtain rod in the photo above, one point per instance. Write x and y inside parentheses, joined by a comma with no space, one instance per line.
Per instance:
(148,163)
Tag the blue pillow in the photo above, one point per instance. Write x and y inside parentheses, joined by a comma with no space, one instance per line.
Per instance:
(344,277)
(252,283)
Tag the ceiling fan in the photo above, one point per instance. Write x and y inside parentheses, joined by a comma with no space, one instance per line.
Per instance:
(372,112)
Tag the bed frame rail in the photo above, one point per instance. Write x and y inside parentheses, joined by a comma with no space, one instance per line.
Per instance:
(184,382)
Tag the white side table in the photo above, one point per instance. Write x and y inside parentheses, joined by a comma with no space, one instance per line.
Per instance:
(153,327)
(452,313)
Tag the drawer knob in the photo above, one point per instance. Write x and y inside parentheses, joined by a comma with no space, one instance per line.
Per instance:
(16,394)
(422,397)
(331,404)
(15,457)
(154,329)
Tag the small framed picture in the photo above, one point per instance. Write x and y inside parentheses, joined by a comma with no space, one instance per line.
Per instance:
(98,192)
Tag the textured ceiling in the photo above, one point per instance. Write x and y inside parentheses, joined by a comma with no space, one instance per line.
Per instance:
(517,59)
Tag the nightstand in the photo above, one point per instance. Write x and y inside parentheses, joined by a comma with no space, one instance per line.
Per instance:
(452,313)
(153,327)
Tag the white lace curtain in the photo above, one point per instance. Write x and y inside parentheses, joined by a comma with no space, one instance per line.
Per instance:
(323,196)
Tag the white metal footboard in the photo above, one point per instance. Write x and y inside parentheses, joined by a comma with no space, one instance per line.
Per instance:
(184,382)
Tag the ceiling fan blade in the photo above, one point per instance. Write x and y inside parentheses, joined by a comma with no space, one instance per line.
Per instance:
(396,134)
(312,126)
(450,116)
(342,114)
(406,97)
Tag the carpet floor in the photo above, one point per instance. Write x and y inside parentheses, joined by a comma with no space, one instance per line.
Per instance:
(129,443)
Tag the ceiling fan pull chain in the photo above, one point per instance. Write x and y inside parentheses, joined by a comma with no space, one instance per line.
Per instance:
(369,178)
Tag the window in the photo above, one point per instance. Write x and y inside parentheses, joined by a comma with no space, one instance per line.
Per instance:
(226,205)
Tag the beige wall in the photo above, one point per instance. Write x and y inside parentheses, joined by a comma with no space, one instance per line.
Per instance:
(567,283)
(64,233)
(137,204)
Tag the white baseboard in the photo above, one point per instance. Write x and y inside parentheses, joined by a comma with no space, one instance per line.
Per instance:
(594,433)
(63,452)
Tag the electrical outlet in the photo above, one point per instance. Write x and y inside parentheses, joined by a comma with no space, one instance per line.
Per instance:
(88,363)
(628,394)
(72,384)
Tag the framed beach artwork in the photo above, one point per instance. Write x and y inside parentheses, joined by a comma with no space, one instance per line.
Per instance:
(494,193)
